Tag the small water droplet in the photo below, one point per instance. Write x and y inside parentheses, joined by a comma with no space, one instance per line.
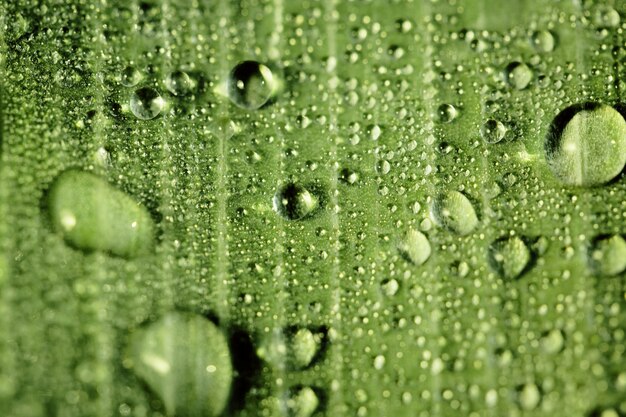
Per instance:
(453,211)
(607,255)
(446,113)
(604,16)
(529,397)
(518,75)
(303,403)
(415,247)
(586,145)
(251,85)
(146,103)
(130,76)
(509,256)
(293,202)
(348,176)
(543,40)
(493,131)
(185,359)
(179,83)
(304,345)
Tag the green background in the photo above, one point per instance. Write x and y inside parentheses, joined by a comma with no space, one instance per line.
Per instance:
(452,335)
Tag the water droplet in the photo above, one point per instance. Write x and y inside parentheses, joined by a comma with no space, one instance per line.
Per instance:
(348,176)
(543,40)
(130,76)
(446,113)
(493,131)
(586,144)
(146,103)
(453,211)
(553,341)
(185,359)
(93,215)
(608,255)
(251,85)
(293,201)
(415,247)
(303,403)
(390,287)
(518,75)
(509,256)
(529,397)
(304,346)
(179,83)
(604,16)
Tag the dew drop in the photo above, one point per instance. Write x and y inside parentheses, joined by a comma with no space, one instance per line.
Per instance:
(509,256)
(130,76)
(251,85)
(453,211)
(553,341)
(293,202)
(529,397)
(518,75)
(586,145)
(446,113)
(92,215)
(303,403)
(543,40)
(185,359)
(607,256)
(179,83)
(146,103)
(493,131)
(604,17)
(348,176)
(415,247)
(304,345)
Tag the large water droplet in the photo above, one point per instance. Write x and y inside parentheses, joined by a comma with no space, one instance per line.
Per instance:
(607,255)
(455,212)
(292,201)
(93,215)
(415,247)
(446,113)
(509,256)
(251,85)
(529,396)
(146,103)
(518,75)
(586,144)
(185,359)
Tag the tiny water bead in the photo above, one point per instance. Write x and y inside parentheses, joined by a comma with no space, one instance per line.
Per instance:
(251,85)
(493,131)
(586,145)
(185,359)
(518,75)
(453,211)
(607,255)
(146,103)
(92,215)
(509,256)
(415,247)
(179,83)
(293,202)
